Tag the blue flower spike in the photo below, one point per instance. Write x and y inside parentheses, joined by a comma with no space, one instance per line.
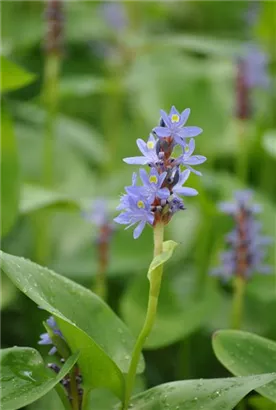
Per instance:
(157,197)
(246,245)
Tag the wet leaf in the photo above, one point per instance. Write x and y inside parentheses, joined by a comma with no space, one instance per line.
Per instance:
(244,353)
(87,323)
(24,377)
(211,394)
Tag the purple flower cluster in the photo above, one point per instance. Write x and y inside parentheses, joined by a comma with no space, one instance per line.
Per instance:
(45,338)
(246,244)
(158,198)
(252,72)
(98,215)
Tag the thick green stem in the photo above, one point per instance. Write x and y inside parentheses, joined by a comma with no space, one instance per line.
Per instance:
(155,284)
(237,304)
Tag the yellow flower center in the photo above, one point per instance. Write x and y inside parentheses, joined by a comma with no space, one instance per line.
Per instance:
(153,179)
(150,144)
(175,118)
(140,204)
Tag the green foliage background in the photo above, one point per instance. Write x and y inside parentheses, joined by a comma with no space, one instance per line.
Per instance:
(171,53)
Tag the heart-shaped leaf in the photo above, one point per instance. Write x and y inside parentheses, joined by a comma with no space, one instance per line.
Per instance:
(13,76)
(24,377)
(9,174)
(244,353)
(212,394)
(87,323)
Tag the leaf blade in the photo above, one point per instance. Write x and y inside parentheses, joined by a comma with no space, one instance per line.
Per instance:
(244,353)
(25,377)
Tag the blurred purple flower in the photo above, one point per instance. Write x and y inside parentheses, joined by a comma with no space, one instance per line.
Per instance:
(246,251)
(114,14)
(172,125)
(256,67)
(98,214)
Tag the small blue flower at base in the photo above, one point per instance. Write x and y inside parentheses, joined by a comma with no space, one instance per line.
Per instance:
(148,149)
(152,185)
(174,126)
(187,159)
(45,338)
(138,211)
(178,189)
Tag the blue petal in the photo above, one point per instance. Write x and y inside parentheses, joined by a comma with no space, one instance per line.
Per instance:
(142,145)
(188,132)
(162,132)
(186,191)
(184,116)
(163,193)
(195,160)
(165,118)
(138,230)
(136,160)
(144,176)
(123,219)
(183,177)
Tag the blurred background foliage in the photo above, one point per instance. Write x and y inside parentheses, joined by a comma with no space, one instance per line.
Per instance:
(121,63)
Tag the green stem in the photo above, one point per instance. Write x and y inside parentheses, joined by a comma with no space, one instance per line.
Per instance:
(50,101)
(155,284)
(74,390)
(237,304)
(100,287)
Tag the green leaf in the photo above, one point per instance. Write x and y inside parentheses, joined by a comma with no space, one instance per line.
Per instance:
(9,174)
(87,323)
(34,198)
(13,76)
(51,400)
(244,353)
(70,131)
(178,314)
(201,44)
(212,394)
(260,403)
(168,248)
(24,377)
(269,142)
